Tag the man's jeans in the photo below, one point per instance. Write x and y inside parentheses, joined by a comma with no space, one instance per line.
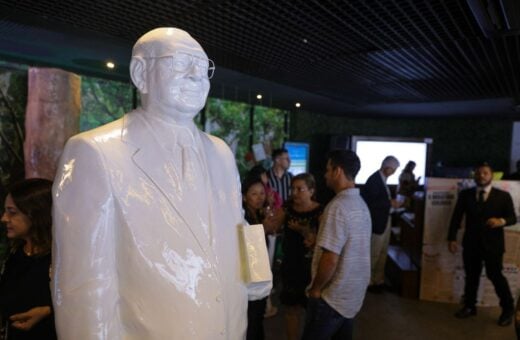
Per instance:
(323,322)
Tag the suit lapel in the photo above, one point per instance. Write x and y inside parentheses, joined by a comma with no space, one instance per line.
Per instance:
(491,195)
(473,196)
(157,166)
(488,205)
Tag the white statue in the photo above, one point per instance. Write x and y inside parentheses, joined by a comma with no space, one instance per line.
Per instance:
(147,212)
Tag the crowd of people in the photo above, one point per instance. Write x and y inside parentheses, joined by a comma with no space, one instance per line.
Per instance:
(325,251)
(330,255)
(313,243)
(344,235)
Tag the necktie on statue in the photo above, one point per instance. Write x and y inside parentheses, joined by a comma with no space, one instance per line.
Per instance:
(190,157)
(194,177)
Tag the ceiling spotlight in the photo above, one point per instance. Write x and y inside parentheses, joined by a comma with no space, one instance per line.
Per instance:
(298,105)
(304,40)
(259,96)
(110,65)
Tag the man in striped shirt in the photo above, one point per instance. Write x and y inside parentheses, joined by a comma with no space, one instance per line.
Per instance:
(341,261)
(279,176)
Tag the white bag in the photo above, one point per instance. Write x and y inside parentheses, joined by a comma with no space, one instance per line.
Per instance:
(254,254)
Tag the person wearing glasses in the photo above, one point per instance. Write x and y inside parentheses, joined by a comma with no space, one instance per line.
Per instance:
(147,211)
(300,216)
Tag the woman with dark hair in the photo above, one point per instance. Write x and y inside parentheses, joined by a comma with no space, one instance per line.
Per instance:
(274,201)
(255,204)
(25,297)
(301,216)
(407,185)
(407,181)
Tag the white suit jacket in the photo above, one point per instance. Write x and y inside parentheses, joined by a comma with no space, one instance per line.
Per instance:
(130,261)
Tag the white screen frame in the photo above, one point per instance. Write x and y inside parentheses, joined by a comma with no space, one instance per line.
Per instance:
(372,150)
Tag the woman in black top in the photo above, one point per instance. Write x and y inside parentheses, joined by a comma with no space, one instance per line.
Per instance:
(301,217)
(255,204)
(25,297)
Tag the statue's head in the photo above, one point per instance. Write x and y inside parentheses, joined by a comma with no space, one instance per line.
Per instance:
(171,71)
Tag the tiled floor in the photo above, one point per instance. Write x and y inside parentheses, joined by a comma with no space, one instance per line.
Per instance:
(390,317)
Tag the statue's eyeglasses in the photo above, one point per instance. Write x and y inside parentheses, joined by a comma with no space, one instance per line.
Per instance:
(184,62)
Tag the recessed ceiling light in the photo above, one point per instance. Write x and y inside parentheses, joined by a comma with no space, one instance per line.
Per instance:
(297,104)
(305,41)
(110,65)
(259,96)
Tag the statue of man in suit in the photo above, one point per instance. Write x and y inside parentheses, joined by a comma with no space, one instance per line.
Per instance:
(487,211)
(147,212)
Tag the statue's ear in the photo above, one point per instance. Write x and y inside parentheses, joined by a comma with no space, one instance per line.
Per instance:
(138,74)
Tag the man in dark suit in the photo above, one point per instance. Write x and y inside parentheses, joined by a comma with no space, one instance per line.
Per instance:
(487,211)
(377,196)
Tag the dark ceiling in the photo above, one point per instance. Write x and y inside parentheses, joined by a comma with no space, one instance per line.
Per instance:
(356,58)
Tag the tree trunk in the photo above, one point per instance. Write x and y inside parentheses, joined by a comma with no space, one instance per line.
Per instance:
(52,117)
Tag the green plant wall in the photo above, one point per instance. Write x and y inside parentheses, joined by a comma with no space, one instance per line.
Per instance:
(230,121)
(103,101)
(13,96)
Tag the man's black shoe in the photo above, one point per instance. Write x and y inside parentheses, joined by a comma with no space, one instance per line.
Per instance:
(506,318)
(466,312)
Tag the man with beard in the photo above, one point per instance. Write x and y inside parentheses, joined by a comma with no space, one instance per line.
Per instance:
(341,260)
(487,210)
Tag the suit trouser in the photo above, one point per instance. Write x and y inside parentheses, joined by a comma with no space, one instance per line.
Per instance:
(378,252)
(473,262)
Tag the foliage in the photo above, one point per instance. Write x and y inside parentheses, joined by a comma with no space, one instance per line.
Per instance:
(13,96)
(268,127)
(230,121)
(103,101)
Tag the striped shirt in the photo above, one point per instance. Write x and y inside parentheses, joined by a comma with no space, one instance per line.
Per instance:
(346,230)
(281,185)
